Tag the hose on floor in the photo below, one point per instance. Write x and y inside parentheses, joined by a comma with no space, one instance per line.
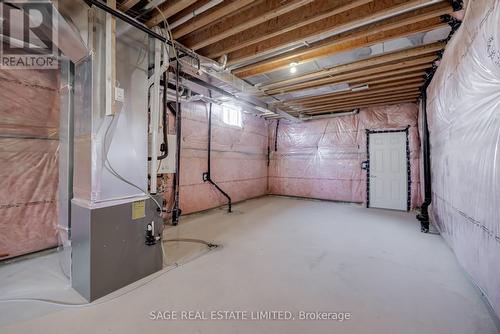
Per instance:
(162,272)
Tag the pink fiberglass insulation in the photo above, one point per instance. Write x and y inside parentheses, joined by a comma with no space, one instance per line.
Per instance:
(463,108)
(322,158)
(239,158)
(29,121)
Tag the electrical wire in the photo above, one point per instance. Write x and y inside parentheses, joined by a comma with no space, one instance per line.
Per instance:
(109,167)
(199,241)
(169,32)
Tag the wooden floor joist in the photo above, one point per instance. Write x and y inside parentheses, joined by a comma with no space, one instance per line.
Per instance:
(300,17)
(127,4)
(210,16)
(396,27)
(251,16)
(168,8)
(360,64)
(414,87)
(264,36)
(364,105)
(368,74)
(387,87)
(363,101)
(414,91)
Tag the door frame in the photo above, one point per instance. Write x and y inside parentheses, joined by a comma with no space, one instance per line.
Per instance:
(408,166)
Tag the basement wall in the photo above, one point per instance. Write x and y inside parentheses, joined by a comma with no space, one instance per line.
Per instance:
(322,158)
(464,122)
(239,159)
(29,124)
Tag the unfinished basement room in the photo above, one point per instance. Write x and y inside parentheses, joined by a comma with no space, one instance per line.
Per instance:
(250,166)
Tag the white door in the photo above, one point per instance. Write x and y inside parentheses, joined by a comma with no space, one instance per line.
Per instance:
(388,171)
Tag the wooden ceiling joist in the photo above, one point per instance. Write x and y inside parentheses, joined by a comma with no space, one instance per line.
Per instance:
(388,87)
(420,20)
(347,44)
(327,103)
(363,75)
(364,100)
(248,17)
(127,4)
(360,64)
(300,17)
(414,91)
(189,10)
(168,8)
(210,16)
(361,105)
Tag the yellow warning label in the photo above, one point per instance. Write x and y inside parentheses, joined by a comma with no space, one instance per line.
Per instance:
(138,209)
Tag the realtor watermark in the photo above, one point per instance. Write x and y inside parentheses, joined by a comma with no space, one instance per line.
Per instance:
(28,32)
(219,315)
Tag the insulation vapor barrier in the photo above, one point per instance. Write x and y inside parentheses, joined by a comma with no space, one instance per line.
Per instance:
(322,158)
(463,109)
(29,142)
(239,158)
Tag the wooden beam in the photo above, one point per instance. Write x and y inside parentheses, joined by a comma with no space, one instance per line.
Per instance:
(408,89)
(364,105)
(367,74)
(381,77)
(310,13)
(347,44)
(415,86)
(327,103)
(361,64)
(127,4)
(396,27)
(187,11)
(416,74)
(217,12)
(365,100)
(168,8)
(251,16)
(377,88)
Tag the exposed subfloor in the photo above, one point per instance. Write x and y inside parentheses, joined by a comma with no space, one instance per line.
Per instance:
(277,254)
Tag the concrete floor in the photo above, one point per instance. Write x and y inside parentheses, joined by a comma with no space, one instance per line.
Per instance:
(278,254)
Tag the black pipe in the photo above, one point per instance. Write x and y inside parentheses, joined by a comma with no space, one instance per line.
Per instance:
(128,19)
(164,147)
(423,216)
(176,211)
(207,177)
(276,136)
(133,22)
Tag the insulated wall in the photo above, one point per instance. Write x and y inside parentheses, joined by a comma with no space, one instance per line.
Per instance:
(464,122)
(322,158)
(239,158)
(29,123)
